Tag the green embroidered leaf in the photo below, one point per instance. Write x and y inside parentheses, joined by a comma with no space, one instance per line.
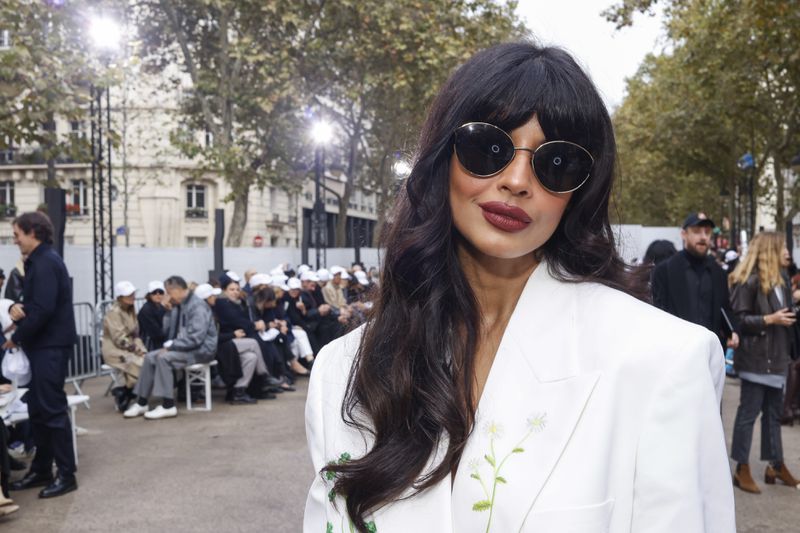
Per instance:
(517,450)
(332,495)
(330,476)
(329,528)
(483,505)
(500,479)
(344,458)
(371,527)
(475,476)
(489,460)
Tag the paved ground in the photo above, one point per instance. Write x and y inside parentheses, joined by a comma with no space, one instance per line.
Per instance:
(235,469)
(242,469)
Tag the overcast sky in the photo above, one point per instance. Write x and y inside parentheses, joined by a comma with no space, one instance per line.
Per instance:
(609,55)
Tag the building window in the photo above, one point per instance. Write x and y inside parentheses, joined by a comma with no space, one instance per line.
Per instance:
(273,240)
(76,129)
(209,138)
(5,39)
(197,242)
(196,201)
(80,202)
(6,193)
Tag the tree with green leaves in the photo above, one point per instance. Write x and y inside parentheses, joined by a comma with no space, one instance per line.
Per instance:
(727,85)
(241,60)
(45,73)
(374,67)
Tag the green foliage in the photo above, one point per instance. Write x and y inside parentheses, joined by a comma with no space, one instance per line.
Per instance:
(727,85)
(45,73)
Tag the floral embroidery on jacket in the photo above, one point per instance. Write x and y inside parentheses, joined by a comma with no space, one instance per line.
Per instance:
(332,495)
(490,484)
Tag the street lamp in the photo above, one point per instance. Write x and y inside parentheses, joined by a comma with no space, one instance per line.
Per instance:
(401,168)
(105,34)
(321,134)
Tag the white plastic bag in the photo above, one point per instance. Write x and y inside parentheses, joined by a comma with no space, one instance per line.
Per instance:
(16,367)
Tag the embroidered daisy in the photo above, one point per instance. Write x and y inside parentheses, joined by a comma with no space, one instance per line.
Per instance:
(538,422)
(493,430)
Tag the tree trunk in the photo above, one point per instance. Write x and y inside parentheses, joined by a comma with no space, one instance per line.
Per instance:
(239,220)
(344,202)
(780,201)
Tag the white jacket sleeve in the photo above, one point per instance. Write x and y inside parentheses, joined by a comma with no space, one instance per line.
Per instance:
(315,516)
(682,479)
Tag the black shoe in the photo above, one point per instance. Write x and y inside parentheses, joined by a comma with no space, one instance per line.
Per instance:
(275,382)
(16,464)
(32,479)
(61,485)
(240,397)
(265,395)
(122,398)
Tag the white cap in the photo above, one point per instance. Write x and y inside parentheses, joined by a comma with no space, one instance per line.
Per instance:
(361,276)
(309,275)
(323,274)
(233,275)
(277,271)
(294,283)
(279,279)
(303,269)
(124,288)
(205,290)
(731,255)
(155,286)
(340,271)
(260,279)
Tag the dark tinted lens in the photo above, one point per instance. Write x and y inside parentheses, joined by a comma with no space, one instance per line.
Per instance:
(483,149)
(561,166)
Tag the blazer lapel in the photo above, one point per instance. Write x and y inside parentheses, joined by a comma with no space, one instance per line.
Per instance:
(534,397)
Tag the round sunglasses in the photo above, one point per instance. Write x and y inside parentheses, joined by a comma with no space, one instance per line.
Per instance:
(484,150)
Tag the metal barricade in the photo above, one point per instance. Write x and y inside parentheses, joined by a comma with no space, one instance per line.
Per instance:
(85,360)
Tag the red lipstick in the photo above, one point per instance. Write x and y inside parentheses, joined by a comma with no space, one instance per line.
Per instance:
(505,217)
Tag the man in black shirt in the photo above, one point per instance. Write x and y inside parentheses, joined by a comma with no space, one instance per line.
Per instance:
(691,285)
(46,331)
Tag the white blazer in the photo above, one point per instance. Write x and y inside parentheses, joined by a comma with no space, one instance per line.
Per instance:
(600,414)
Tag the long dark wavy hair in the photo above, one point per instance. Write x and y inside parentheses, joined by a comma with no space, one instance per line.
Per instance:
(411,383)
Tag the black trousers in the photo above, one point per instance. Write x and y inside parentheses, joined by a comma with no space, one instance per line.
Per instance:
(48,411)
(757,398)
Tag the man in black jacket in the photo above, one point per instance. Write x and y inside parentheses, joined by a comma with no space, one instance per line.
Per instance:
(46,331)
(690,284)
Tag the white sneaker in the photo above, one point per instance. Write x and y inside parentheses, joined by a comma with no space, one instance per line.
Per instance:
(160,412)
(135,410)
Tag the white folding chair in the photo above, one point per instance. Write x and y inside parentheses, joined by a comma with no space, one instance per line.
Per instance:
(199,373)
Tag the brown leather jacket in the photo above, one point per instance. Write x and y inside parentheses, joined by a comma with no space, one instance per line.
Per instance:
(762,349)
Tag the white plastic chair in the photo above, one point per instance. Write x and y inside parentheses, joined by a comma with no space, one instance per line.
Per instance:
(115,375)
(199,373)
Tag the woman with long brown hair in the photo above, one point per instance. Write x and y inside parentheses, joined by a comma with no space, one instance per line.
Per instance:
(762,300)
(508,379)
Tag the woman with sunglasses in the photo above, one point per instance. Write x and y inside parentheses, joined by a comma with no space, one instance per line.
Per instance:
(508,379)
(151,316)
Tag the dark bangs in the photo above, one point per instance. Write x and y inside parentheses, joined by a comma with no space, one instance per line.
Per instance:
(521,82)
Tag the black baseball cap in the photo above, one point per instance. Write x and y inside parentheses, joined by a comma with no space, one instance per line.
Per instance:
(698,219)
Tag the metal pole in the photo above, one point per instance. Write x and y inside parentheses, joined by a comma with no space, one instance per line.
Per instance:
(752,202)
(316,223)
(92,111)
(110,201)
(100,189)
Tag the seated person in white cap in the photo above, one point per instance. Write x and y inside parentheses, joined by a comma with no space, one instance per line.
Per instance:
(122,347)
(297,313)
(151,316)
(192,334)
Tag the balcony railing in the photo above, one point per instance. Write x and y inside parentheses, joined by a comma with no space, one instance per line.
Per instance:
(196,212)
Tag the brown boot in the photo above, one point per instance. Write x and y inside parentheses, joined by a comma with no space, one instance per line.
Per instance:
(744,480)
(770,475)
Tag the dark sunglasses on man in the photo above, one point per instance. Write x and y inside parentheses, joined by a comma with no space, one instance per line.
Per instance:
(484,150)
